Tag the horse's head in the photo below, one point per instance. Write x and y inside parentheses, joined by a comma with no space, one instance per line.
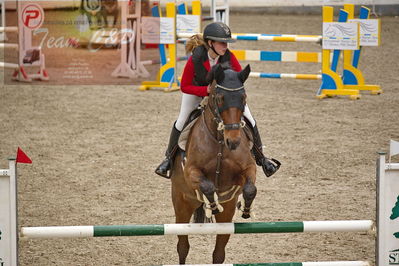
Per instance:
(227,101)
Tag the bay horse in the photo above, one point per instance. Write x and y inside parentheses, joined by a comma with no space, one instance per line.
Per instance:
(219,165)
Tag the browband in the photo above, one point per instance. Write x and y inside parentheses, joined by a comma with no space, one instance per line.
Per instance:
(229,89)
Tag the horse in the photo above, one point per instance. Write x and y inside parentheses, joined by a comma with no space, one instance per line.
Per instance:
(110,8)
(100,10)
(219,165)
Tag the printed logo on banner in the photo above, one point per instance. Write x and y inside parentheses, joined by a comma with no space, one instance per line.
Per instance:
(369,31)
(187,24)
(167,30)
(32,16)
(150,29)
(394,254)
(340,36)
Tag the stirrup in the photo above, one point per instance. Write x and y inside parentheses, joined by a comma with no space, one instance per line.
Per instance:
(270,166)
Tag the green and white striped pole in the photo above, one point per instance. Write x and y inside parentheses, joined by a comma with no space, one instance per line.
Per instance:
(196,229)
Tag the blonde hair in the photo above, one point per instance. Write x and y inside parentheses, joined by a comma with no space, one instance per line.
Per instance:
(195,41)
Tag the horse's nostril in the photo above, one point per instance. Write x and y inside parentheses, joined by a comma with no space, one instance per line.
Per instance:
(232,145)
(228,143)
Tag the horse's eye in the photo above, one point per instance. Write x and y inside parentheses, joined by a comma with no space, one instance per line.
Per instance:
(219,99)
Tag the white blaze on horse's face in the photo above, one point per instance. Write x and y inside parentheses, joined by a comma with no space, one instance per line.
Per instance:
(232,137)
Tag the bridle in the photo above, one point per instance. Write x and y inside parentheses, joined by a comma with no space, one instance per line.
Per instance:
(216,110)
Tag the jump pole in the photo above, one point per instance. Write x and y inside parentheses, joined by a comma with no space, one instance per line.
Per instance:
(196,229)
(280,56)
(267,37)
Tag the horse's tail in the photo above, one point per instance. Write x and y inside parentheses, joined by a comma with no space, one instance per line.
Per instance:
(199,215)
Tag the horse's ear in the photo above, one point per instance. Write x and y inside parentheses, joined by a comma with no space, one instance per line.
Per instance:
(243,75)
(219,73)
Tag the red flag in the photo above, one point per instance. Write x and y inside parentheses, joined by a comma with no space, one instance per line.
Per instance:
(22,157)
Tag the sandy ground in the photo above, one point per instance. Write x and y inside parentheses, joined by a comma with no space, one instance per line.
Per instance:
(94,150)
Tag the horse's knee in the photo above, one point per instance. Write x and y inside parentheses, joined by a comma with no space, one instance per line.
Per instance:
(212,205)
(249,192)
(207,188)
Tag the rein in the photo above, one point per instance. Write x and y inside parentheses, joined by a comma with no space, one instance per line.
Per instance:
(220,141)
(220,128)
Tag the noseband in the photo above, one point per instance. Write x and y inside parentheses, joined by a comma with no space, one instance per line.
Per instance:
(216,111)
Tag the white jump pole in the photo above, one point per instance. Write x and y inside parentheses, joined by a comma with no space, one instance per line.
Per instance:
(9,65)
(8,29)
(197,229)
(9,45)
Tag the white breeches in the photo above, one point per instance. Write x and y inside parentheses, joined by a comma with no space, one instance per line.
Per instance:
(189,102)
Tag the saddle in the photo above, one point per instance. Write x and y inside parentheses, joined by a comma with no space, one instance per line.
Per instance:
(193,117)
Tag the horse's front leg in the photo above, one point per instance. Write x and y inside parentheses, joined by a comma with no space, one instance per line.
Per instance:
(248,192)
(211,201)
(200,184)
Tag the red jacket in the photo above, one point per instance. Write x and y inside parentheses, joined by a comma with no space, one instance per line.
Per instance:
(188,76)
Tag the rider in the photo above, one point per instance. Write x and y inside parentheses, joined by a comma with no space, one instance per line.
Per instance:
(208,50)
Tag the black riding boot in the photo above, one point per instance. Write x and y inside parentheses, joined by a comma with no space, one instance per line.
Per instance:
(164,167)
(269,166)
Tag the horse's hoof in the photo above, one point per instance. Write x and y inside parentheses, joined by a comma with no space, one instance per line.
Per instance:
(246,215)
(216,211)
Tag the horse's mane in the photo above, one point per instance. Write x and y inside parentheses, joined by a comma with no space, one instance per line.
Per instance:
(211,74)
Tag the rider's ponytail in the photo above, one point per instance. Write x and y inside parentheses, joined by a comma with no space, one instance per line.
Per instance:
(193,42)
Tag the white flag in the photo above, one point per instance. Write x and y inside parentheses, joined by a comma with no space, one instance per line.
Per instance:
(394,148)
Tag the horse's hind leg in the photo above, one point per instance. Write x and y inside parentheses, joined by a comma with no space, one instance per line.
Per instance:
(183,212)
(226,216)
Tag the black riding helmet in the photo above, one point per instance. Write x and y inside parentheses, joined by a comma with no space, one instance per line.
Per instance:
(218,31)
